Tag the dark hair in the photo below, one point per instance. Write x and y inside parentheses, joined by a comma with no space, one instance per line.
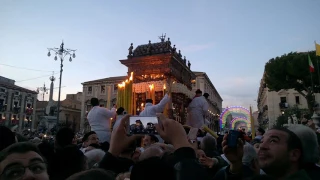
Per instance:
(149,101)
(262,131)
(153,138)
(69,160)
(94,101)
(198,91)
(20,147)
(86,136)
(7,137)
(64,137)
(120,110)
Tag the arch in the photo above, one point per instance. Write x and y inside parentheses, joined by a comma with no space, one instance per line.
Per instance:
(233,109)
(240,119)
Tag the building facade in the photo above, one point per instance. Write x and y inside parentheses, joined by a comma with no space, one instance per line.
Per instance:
(70,112)
(204,83)
(17,105)
(272,104)
(104,89)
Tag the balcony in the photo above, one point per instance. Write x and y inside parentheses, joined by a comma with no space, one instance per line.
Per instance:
(29,111)
(16,110)
(3,108)
(283,105)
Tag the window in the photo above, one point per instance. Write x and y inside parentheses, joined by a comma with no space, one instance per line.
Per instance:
(283,99)
(297,100)
(88,107)
(90,90)
(2,90)
(115,87)
(17,93)
(103,89)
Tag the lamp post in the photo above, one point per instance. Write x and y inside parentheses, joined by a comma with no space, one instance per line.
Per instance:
(62,53)
(43,89)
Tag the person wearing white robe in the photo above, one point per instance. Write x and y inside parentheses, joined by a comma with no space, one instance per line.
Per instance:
(152,110)
(99,120)
(197,111)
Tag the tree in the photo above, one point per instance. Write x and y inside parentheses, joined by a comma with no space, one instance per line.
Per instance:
(291,71)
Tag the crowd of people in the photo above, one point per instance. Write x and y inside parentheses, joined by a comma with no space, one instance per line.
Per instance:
(112,153)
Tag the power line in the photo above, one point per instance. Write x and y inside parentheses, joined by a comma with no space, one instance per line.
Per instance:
(36,77)
(23,68)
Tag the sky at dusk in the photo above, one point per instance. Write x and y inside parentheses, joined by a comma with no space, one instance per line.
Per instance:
(230,41)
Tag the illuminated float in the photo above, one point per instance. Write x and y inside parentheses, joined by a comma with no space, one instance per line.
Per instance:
(153,69)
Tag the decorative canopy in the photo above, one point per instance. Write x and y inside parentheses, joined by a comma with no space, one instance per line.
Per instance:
(158,61)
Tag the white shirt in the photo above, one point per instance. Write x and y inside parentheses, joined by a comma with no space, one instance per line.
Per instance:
(197,111)
(152,110)
(118,120)
(99,120)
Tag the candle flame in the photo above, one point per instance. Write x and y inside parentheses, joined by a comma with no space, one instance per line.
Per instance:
(131,77)
(123,84)
(151,87)
(164,86)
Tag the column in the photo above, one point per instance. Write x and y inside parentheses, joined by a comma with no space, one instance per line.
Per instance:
(33,117)
(22,110)
(9,104)
(109,97)
(83,108)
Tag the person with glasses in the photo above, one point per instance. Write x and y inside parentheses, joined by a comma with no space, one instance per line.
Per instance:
(22,161)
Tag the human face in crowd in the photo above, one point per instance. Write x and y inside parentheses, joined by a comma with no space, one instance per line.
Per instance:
(92,139)
(147,141)
(28,165)
(273,154)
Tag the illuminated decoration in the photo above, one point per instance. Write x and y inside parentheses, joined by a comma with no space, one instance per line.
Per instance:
(235,120)
(124,96)
(233,109)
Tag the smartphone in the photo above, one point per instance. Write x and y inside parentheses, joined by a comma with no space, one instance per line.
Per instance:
(193,133)
(142,125)
(232,139)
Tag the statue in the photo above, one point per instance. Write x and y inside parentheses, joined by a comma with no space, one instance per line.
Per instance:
(179,54)
(162,37)
(168,43)
(131,50)
(149,47)
(184,60)
(174,49)
(189,65)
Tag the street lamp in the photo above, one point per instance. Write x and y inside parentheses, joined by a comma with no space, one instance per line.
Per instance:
(62,53)
(43,89)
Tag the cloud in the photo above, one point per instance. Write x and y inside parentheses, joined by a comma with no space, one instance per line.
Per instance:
(196,47)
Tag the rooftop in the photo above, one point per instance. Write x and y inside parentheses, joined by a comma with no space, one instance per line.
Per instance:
(109,79)
(15,87)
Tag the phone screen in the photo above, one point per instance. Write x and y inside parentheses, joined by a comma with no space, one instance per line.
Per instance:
(233,136)
(143,125)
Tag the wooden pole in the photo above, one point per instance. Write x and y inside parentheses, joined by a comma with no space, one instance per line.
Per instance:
(253,130)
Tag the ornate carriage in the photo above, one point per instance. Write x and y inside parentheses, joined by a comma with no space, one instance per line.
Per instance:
(155,67)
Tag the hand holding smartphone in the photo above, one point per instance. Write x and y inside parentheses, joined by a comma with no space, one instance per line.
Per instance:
(232,139)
